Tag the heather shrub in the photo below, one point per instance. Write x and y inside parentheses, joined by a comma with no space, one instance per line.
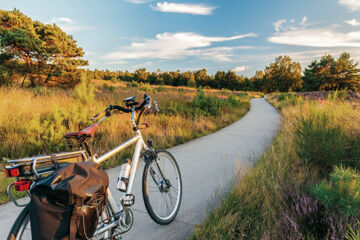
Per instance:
(342,192)
(302,217)
(305,217)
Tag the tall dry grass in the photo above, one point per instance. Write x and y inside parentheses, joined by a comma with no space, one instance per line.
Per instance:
(34,121)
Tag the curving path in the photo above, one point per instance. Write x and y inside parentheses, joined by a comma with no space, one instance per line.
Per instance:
(208,165)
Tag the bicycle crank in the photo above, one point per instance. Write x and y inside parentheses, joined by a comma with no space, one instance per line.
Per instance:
(126,220)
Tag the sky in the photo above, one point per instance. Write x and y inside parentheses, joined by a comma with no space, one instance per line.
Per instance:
(239,35)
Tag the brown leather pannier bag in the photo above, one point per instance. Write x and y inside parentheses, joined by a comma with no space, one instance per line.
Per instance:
(67,203)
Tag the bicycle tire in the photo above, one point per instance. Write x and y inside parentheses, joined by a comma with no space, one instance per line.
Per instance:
(13,234)
(155,217)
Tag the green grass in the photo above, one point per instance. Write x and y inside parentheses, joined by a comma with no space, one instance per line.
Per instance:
(273,200)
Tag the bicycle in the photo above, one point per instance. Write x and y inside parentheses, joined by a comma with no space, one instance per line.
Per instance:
(157,180)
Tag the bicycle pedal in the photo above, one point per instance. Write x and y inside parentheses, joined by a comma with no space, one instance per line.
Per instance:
(128,200)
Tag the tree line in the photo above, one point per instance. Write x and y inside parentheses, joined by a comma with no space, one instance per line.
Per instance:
(283,75)
(33,53)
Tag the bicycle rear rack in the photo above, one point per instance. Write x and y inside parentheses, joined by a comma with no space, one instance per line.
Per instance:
(36,167)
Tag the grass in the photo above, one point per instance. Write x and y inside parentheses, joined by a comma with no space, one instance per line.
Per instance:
(274,201)
(33,121)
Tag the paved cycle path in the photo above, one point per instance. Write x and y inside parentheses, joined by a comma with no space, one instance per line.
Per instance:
(208,166)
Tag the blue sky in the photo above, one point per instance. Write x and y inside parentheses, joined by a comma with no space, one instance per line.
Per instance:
(239,35)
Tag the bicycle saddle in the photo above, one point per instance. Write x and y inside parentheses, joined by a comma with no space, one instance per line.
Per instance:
(86,133)
(129,99)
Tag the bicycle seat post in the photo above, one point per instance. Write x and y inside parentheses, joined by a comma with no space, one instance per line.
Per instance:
(88,149)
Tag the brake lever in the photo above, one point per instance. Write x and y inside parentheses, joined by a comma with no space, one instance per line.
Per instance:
(156,106)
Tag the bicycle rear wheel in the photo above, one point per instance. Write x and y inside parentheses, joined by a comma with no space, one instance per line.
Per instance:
(162,187)
(21,229)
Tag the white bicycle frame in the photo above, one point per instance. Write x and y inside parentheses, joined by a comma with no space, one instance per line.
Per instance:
(140,145)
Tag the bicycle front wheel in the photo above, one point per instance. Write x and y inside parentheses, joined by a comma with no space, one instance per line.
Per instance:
(162,187)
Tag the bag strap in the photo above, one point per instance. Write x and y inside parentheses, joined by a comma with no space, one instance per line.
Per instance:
(55,161)
(75,218)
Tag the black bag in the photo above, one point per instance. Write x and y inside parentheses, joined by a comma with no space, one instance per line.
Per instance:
(66,204)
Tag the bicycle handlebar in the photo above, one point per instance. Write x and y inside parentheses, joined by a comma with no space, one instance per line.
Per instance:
(146,101)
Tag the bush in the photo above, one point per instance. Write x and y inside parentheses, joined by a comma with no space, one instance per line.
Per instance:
(146,88)
(173,108)
(132,84)
(243,94)
(232,101)
(45,132)
(205,105)
(225,91)
(108,88)
(322,144)
(339,95)
(40,91)
(85,91)
(342,192)
(286,99)
(161,88)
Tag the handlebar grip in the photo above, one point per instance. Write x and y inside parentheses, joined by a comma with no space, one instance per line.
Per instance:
(116,107)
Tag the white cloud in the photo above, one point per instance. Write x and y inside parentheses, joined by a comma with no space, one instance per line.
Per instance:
(138,1)
(353,5)
(315,37)
(303,22)
(306,57)
(195,9)
(68,25)
(61,20)
(353,22)
(278,24)
(240,69)
(284,24)
(143,65)
(178,45)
